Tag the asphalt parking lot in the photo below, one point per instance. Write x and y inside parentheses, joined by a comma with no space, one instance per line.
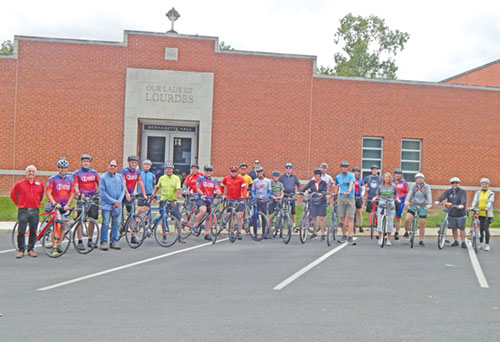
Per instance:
(228,292)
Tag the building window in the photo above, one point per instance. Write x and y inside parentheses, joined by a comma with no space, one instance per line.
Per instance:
(371,155)
(411,151)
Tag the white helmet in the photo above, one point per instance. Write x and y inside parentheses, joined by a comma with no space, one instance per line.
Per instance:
(420,174)
(455,180)
(484,180)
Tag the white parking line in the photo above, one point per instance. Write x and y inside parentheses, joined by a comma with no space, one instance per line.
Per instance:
(15,250)
(477,267)
(93,275)
(313,264)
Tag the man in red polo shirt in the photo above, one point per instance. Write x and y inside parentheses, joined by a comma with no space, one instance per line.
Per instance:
(235,186)
(27,195)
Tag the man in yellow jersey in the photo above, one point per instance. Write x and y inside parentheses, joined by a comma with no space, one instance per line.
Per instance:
(247,178)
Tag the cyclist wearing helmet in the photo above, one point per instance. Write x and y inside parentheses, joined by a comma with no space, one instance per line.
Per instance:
(253,173)
(402,188)
(359,192)
(261,190)
(247,178)
(372,182)
(132,176)
(291,184)
(325,176)
(346,206)
(86,182)
(483,199)
(318,202)
(149,181)
(276,194)
(456,216)
(170,186)
(419,198)
(206,189)
(60,191)
(192,179)
(233,186)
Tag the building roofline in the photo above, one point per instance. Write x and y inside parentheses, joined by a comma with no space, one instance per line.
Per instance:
(471,70)
(406,82)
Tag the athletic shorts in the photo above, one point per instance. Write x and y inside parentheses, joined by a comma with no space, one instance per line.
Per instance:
(262,207)
(456,223)
(203,203)
(292,206)
(359,202)
(272,205)
(400,208)
(369,205)
(318,210)
(346,207)
(422,212)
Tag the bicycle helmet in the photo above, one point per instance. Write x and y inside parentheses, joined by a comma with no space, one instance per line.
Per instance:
(356,168)
(318,172)
(133,157)
(374,166)
(195,165)
(288,165)
(454,180)
(325,165)
(147,161)
(243,165)
(233,168)
(398,170)
(86,156)
(257,161)
(63,163)
(276,173)
(259,169)
(484,180)
(208,168)
(420,175)
(344,164)
(169,165)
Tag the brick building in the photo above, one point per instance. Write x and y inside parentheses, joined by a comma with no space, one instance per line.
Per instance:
(178,97)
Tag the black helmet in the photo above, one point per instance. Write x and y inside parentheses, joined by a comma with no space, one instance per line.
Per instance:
(276,173)
(259,169)
(86,156)
(195,165)
(344,163)
(356,168)
(243,165)
(208,168)
(318,172)
(398,170)
(133,157)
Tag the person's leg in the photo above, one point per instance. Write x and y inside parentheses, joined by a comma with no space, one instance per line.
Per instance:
(482,225)
(115,226)
(349,211)
(408,218)
(22,219)
(487,230)
(33,224)
(422,228)
(106,215)
(390,224)
(322,225)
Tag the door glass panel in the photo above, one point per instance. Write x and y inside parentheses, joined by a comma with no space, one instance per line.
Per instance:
(156,153)
(182,155)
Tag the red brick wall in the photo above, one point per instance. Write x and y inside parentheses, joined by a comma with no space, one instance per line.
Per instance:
(485,76)
(7,107)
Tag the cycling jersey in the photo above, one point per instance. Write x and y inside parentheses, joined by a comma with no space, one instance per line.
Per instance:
(87,180)
(248,181)
(402,188)
(235,186)
(207,185)
(149,180)
(359,187)
(131,177)
(168,185)
(191,181)
(62,188)
(261,188)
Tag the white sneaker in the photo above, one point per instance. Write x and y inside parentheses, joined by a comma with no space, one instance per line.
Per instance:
(487,248)
(481,247)
(388,243)
(379,242)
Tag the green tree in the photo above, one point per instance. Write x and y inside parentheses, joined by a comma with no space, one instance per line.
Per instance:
(7,48)
(223,46)
(368,47)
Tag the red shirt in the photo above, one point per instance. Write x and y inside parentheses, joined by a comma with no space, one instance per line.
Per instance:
(191,181)
(235,186)
(26,195)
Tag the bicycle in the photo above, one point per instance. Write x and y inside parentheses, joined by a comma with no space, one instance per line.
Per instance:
(413,225)
(443,227)
(58,230)
(333,224)
(474,229)
(257,223)
(168,234)
(384,206)
(373,219)
(49,216)
(306,220)
(228,219)
(80,226)
(128,225)
(282,220)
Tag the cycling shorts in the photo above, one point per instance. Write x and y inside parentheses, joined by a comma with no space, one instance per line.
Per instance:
(359,202)
(422,212)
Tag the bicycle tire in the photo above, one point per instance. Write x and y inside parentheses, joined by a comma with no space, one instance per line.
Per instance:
(274,226)
(384,231)
(232,226)
(169,235)
(138,230)
(123,227)
(331,231)
(258,226)
(286,228)
(14,236)
(304,228)
(442,234)
(214,229)
(47,242)
(372,226)
(413,230)
(187,224)
(475,236)
(85,235)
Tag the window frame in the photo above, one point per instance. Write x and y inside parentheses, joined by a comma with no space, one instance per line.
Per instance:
(405,172)
(381,149)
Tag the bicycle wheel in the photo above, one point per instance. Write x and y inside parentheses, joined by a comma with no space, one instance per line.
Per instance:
(274,226)
(135,227)
(14,236)
(167,235)
(384,231)
(232,227)
(475,238)
(258,226)
(304,228)
(331,233)
(63,234)
(187,224)
(214,229)
(123,226)
(286,227)
(372,225)
(88,235)
(413,229)
(442,233)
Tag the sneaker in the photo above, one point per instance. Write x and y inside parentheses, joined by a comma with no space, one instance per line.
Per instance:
(104,246)
(195,230)
(91,244)
(19,255)
(239,236)
(463,244)
(32,253)
(455,244)
(59,249)
(164,239)
(481,247)
(379,242)
(54,252)
(313,236)
(343,239)
(81,247)
(388,243)
(396,236)
(134,240)
(295,228)
(351,241)
(208,237)
(422,244)
(266,237)
(115,245)
(361,230)
(323,237)
(486,248)
(406,235)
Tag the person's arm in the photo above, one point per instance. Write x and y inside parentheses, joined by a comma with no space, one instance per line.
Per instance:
(428,196)
(42,191)
(76,185)
(14,196)
(443,196)
(178,190)
(141,186)
(491,199)
(122,193)
(410,195)
(297,183)
(351,183)
(71,196)
(475,201)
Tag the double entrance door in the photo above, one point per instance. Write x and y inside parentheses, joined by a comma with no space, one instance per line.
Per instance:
(160,147)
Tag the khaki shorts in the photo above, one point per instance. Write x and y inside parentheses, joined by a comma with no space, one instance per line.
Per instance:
(346,207)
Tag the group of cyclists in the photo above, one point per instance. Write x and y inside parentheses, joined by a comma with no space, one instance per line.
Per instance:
(348,190)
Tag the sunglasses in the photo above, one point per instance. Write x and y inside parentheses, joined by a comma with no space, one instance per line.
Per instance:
(455,183)
(113,165)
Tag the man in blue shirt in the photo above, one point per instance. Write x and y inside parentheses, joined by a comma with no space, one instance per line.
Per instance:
(346,206)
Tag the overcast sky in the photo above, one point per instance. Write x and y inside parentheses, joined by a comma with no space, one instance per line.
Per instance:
(446,37)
